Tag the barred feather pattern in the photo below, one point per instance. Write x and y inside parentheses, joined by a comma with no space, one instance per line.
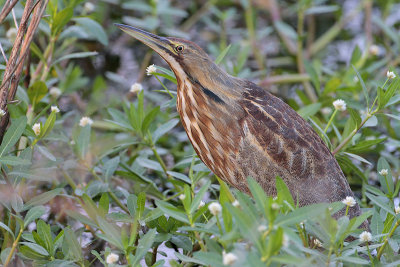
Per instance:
(267,140)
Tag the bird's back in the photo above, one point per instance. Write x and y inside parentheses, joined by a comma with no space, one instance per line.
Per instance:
(261,137)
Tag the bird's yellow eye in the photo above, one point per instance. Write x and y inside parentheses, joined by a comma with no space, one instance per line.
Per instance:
(179,48)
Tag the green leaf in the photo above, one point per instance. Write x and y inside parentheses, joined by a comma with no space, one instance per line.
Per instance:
(164,128)
(104,204)
(61,19)
(14,161)
(145,244)
(355,116)
(83,141)
(149,119)
(5,227)
(283,191)
(141,202)
(74,55)
(30,253)
(111,233)
(71,247)
(364,88)
(222,55)
(309,110)
(36,92)
(383,164)
(33,214)
(93,29)
(172,211)
(392,89)
(44,232)
(48,125)
(355,56)
(42,198)
(313,75)
(12,135)
(381,203)
(199,197)
(365,145)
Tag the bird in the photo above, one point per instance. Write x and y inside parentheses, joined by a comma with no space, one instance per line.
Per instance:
(240,130)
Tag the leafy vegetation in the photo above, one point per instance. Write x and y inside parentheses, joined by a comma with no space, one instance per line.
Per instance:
(97,172)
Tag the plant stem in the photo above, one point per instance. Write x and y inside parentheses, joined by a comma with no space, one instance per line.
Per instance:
(14,246)
(330,120)
(380,252)
(112,195)
(300,56)
(348,138)
(158,79)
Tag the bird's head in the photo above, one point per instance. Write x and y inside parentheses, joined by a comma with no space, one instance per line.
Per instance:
(184,57)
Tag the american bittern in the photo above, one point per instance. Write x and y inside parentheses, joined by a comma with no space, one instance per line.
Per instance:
(239,129)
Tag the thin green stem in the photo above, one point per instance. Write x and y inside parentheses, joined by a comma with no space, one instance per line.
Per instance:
(163,166)
(348,138)
(112,195)
(330,121)
(14,246)
(370,256)
(380,251)
(347,210)
(219,225)
(171,95)
(300,55)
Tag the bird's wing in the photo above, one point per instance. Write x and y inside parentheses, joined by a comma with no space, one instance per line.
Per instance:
(277,141)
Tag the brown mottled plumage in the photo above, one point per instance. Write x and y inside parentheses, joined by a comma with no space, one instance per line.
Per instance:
(240,130)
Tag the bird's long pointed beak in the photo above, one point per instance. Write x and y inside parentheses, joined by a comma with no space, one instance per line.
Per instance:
(159,44)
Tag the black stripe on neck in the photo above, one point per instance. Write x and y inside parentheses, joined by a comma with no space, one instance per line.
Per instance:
(208,92)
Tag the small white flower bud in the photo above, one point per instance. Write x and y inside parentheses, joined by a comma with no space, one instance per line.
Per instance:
(390,74)
(383,172)
(136,87)
(228,258)
(182,197)
(112,258)
(317,243)
(349,201)
(365,236)
(374,50)
(55,109)
(339,104)
(397,209)
(151,69)
(89,7)
(55,92)
(85,121)
(2,112)
(36,128)
(201,204)
(262,228)
(236,203)
(215,208)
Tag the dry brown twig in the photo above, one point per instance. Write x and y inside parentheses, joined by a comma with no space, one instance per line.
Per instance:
(19,52)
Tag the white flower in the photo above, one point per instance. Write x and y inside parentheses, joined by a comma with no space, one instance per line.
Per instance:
(365,236)
(374,50)
(317,243)
(339,104)
(383,172)
(228,258)
(112,258)
(151,69)
(136,87)
(397,209)
(326,110)
(262,228)
(215,208)
(275,206)
(349,201)
(12,34)
(85,121)
(88,7)
(36,128)
(182,197)
(55,92)
(236,203)
(390,74)
(201,204)
(285,241)
(355,79)
(55,109)
(2,112)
